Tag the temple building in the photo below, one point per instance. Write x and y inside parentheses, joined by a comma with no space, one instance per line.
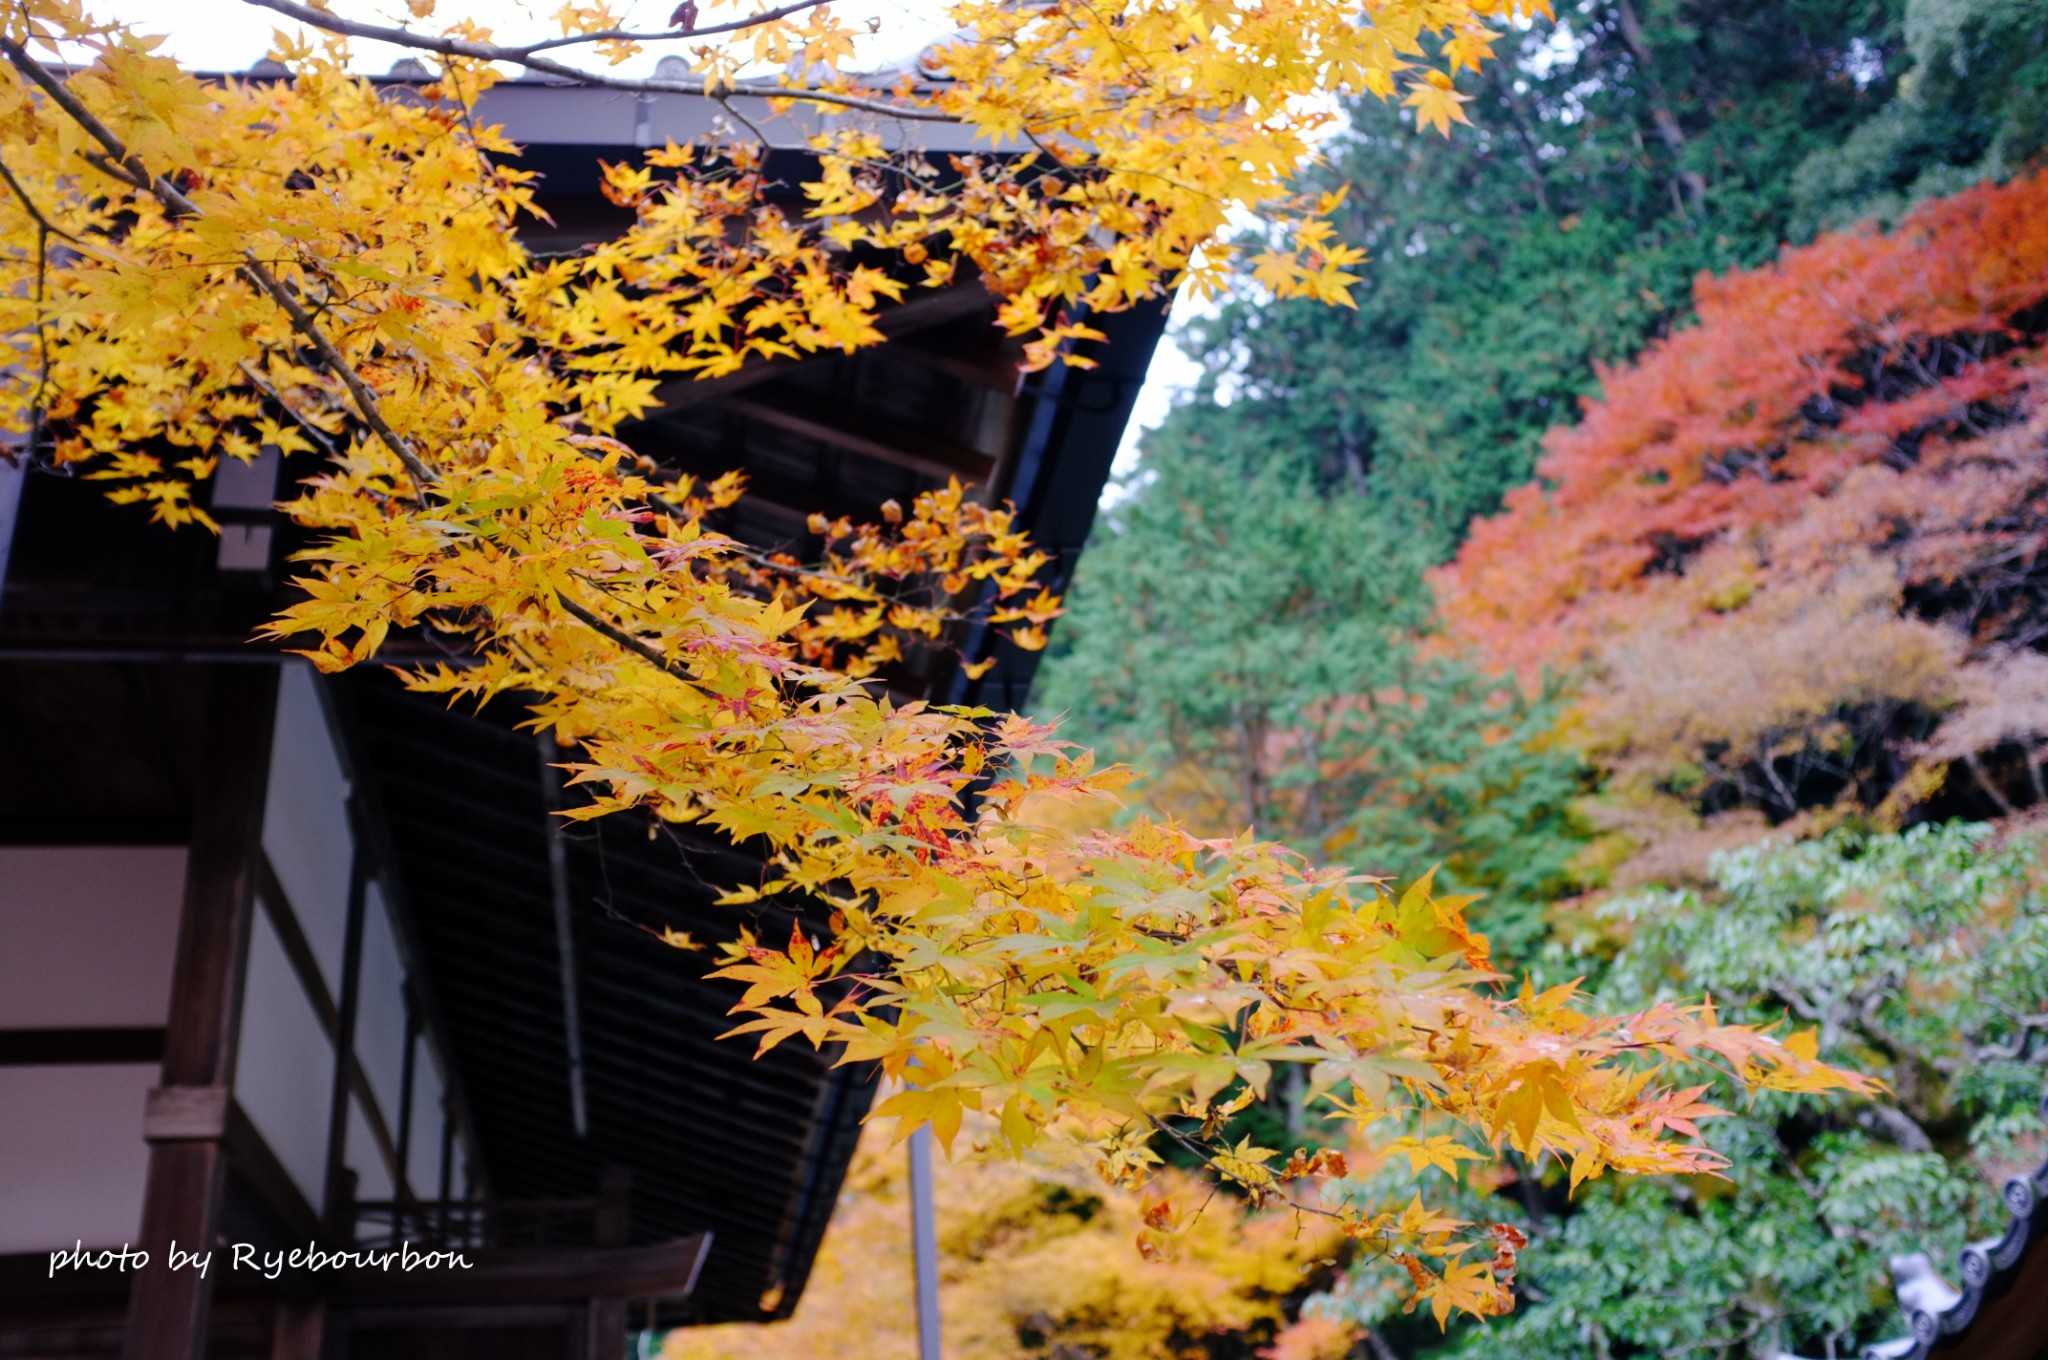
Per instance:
(293,964)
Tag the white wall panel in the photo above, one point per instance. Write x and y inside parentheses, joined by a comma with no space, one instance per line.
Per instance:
(72,1160)
(284,1068)
(305,820)
(423,1156)
(373,1177)
(380,1017)
(87,934)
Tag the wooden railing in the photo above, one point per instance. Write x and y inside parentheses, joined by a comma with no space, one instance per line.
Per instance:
(602,1220)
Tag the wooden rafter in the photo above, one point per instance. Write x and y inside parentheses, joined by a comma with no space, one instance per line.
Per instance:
(904,446)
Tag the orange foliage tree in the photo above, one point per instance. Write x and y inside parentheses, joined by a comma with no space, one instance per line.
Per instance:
(1799,545)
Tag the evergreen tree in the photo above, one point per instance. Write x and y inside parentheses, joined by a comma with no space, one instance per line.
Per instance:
(1264,648)
(1611,159)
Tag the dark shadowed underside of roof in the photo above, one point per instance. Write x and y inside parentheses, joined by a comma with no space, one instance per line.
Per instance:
(752,1151)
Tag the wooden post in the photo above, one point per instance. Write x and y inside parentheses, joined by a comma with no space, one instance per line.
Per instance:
(924,1246)
(613,1225)
(167,1309)
(298,1330)
(604,1330)
(447,1171)
(605,1319)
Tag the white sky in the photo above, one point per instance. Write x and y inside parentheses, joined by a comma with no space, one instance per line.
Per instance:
(228,35)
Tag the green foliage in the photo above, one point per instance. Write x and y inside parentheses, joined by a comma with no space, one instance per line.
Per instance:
(1247,613)
(1923,959)
(1554,234)
(1972,104)
(1260,645)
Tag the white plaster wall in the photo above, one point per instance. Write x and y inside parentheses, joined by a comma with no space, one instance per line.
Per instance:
(380,1014)
(305,821)
(423,1156)
(373,1177)
(284,1065)
(72,1159)
(87,935)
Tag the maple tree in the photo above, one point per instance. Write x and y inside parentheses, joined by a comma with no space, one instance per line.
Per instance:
(1854,651)
(201,269)
(1795,550)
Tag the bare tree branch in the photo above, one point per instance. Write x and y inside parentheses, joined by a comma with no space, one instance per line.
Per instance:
(531,59)
(618,635)
(766,16)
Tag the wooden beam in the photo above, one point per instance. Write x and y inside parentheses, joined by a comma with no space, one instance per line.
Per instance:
(401,1184)
(177,1114)
(454,1317)
(987,367)
(905,447)
(168,1309)
(68,1047)
(298,951)
(552,826)
(537,1275)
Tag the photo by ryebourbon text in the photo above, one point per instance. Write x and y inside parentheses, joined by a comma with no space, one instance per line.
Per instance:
(270,1264)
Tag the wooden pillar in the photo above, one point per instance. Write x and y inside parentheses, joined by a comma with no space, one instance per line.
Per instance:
(924,1246)
(604,1330)
(604,1320)
(298,1330)
(186,1123)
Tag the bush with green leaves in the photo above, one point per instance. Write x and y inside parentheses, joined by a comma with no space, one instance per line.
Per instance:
(1922,957)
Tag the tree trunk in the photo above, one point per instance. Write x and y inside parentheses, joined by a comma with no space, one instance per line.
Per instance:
(1688,183)
(1504,80)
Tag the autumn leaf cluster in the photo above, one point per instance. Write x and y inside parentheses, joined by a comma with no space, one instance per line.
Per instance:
(1794,552)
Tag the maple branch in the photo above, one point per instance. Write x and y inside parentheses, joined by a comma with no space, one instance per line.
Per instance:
(766,16)
(366,400)
(299,418)
(618,635)
(130,169)
(28,205)
(39,410)
(530,58)
(1202,1153)
(760,137)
